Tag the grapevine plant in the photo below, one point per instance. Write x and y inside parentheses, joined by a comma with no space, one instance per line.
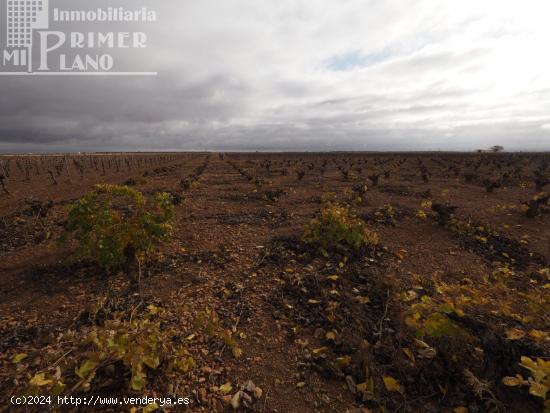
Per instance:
(116,224)
(137,343)
(337,228)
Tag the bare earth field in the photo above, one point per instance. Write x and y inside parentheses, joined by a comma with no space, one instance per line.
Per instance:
(429,320)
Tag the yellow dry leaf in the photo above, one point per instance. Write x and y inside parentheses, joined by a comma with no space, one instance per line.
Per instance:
(391,384)
(538,335)
(409,354)
(150,408)
(331,335)
(319,350)
(18,358)
(410,295)
(226,388)
(512,381)
(342,362)
(363,300)
(39,380)
(153,309)
(515,334)
(538,389)
(400,255)
(361,387)
(420,214)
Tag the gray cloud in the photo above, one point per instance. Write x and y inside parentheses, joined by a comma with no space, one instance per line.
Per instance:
(248,74)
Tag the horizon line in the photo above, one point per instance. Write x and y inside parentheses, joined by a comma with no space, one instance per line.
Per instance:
(275,151)
(78,73)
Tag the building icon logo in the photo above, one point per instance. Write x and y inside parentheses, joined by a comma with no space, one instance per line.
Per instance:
(22,17)
(38,40)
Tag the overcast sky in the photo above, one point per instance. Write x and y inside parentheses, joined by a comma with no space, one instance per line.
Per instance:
(304,75)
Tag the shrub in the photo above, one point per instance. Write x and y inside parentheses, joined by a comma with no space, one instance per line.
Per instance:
(538,204)
(209,322)
(139,343)
(539,382)
(337,228)
(430,318)
(115,224)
